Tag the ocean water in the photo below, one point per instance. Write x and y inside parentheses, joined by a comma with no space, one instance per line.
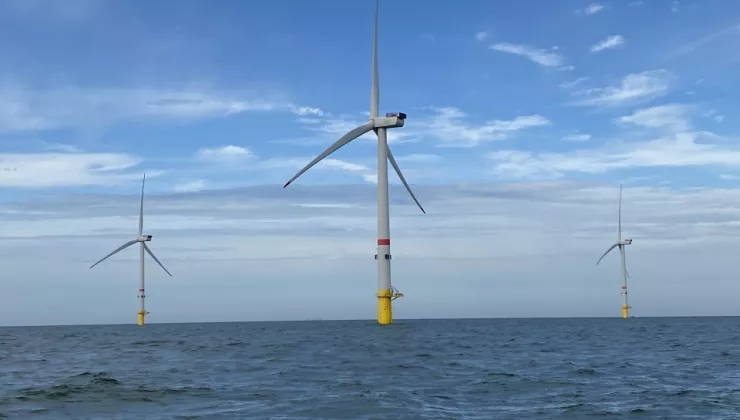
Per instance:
(651,368)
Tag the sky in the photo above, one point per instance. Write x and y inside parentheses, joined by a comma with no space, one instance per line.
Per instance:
(523,120)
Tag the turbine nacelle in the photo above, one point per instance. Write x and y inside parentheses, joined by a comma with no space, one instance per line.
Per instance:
(145,238)
(625,242)
(391,120)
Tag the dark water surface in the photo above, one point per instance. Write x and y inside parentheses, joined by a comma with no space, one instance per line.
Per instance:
(675,368)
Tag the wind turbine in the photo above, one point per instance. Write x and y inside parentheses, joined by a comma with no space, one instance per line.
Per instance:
(621,243)
(142,240)
(380,125)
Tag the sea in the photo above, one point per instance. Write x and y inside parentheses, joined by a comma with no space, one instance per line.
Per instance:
(642,368)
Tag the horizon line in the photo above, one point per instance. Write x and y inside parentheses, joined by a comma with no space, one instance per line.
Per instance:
(371,320)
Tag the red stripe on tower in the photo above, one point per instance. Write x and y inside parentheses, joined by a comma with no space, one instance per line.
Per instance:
(384,241)
(141,290)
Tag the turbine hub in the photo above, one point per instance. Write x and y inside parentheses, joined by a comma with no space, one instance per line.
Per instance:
(391,120)
(400,115)
(145,238)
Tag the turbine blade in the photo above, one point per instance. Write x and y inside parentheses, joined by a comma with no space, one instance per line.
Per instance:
(619,225)
(119,249)
(151,254)
(375,91)
(607,251)
(353,134)
(405,184)
(141,208)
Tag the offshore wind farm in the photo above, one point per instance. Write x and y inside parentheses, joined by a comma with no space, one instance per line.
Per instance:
(521,124)
(491,165)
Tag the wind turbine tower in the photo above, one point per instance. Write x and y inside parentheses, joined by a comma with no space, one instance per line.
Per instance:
(386,292)
(621,243)
(142,240)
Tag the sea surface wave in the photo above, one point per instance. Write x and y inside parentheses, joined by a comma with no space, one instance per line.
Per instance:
(648,368)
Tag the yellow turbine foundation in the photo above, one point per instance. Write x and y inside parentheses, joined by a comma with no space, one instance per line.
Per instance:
(140,318)
(385,311)
(625,311)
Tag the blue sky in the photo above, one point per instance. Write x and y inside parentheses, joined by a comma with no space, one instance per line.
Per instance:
(523,119)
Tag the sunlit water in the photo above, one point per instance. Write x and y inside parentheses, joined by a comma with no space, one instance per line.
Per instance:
(457,369)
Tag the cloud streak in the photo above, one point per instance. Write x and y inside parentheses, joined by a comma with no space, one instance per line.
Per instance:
(43,170)
(545,58)
(636,87)
(608,43)
(687,149)
(73,107)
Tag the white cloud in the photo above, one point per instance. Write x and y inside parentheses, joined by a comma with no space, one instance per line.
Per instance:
(542,57)
(482,36)
(593,8)
(732,30)
(225,154)
(35,170)
(193,186)
(577,137)
(418,157)
(23,110)
(343,165)
(566,68)
(366,173)
(305,110)
(573,83)
(680,150)
(610,42)
(672,116)
(633,88)
(448,126)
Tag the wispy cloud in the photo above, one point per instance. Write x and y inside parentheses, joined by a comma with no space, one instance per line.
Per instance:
(305,110)
(680,150)
(592,9)
(192,186)
(573,83)
(419,157)
(482,36)
(23,110)
(705,40)
(225,154)
(609,42)
(546,58)
(633,88)
(672,116)
(577,137)
(449,127)
(41,170)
